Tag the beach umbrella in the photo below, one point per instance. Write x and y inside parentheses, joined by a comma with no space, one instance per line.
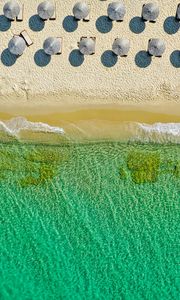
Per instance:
(156,47)
(51,46)
(116,11)
(87,46)
(150,12)
(46,10)
(11,9)
(81,10)
(178,12)
(121,46)
(17,45)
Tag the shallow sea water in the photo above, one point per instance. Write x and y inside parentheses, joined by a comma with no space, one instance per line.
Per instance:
(89,221)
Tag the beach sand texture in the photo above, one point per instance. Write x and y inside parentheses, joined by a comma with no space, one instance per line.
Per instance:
(67,79)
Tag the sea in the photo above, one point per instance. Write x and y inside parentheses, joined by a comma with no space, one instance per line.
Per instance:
(89,219)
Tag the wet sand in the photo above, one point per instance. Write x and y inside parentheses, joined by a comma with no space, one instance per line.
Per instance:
(55,115)
(97,122)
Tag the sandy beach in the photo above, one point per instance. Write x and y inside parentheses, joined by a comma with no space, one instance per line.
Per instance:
(34,81)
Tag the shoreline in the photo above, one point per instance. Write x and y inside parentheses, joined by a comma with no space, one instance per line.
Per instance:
(156,123)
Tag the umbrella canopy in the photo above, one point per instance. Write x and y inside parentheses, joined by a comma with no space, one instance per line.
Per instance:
(116,11)
(156,47)
(81,10)
(52,46)
(150,11)
(178,12)
(121,46)
(46,10)
(87,46)
(11,9)
(17,45)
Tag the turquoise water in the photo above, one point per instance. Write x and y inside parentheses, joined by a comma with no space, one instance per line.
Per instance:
(89,221)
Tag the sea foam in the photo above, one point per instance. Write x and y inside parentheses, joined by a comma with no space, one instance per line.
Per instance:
(14,127)
(157,132)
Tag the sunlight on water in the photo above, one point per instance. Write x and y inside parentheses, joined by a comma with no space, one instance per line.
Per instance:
(89,221)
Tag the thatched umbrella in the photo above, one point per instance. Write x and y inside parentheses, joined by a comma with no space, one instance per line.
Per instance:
(116,11)
(51,46)
(17,45)
(121,46)
(11,9)
(81,10)
(150,12)
(156,47)
(178,12)
(46,10)
(87,46)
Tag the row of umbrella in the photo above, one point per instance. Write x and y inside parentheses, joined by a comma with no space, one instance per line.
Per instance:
(52,46)
(121,46)
(115,11)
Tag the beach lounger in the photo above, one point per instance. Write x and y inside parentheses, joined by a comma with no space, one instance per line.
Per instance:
(54,16)
(26,37)
(61,43)
(142,14)
(87,19)
(83,37)
(21,14)
(94,39)
(178,12)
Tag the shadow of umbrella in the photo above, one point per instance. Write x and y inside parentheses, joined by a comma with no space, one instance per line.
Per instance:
(109,59)
(143,59)
(137,25)
(70,24)
(171,25)
(35,23)
(5,24)
(175,58)
(104,24)
(41,58)
(8,59)
(76,58)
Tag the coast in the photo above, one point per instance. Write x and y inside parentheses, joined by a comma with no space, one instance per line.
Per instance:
(91,96)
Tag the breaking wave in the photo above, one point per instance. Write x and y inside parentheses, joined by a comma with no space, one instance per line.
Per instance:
(15,126)
(157,132)
(141,132)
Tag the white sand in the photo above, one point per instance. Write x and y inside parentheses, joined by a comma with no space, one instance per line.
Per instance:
(91,83)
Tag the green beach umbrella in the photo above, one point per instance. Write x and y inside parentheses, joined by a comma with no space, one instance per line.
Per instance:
(51,46)
(87,46)
(81,10)
(46,10)
(17,45)
(116,11)
(156,47)
(11,9)
(121,46)
(150,12)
